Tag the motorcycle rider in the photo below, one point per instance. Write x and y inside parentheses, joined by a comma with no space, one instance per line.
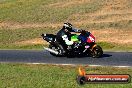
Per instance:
(64,35)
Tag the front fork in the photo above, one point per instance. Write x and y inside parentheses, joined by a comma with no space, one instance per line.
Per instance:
(90,47)
(89,51)
(93,47)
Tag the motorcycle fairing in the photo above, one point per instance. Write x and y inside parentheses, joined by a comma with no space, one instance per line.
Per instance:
(91,38)
(74,38)
(49,37)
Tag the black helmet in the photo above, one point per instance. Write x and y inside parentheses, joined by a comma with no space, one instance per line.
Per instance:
(67,26)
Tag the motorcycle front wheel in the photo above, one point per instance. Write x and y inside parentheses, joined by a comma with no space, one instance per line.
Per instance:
(97,52)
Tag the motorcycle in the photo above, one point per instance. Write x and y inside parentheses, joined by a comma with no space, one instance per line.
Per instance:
(84,44)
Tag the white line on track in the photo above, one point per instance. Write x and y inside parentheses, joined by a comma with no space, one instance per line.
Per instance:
(80,65)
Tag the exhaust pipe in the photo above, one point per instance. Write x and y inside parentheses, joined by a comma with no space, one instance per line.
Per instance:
(51,50)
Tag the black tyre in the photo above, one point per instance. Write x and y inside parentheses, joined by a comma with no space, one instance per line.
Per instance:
(81,80)
(97,52)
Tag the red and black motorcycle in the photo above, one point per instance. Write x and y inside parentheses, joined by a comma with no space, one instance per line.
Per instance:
(84,44)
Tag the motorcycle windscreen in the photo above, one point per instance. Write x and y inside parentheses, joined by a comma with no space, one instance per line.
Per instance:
(74,38)
(91,38)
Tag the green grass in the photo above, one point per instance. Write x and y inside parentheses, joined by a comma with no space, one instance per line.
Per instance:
(49,76)
(39,11)
(9,37)
(25,47)
(124,24)
(12,35)
(106,46)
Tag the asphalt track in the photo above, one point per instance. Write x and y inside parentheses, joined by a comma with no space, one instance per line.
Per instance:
(40,56)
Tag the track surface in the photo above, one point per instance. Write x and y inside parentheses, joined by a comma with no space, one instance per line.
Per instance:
(39,56)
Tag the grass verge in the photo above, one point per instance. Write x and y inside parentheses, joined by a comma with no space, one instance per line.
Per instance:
(43,11)
(122,25)
(49,76)
(10,37)
(115,47)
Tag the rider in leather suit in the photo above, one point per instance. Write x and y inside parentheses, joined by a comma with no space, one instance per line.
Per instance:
(63,36)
